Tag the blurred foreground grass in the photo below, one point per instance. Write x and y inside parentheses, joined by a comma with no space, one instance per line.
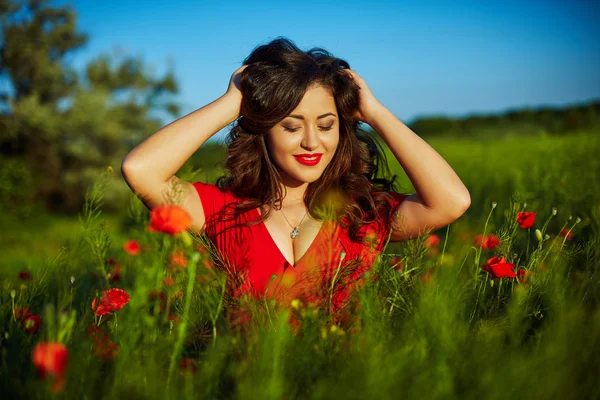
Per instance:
(438,327)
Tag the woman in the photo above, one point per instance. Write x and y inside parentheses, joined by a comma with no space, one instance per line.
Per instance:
(301,212)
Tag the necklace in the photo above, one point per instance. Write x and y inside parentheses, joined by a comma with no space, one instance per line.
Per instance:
(294,233)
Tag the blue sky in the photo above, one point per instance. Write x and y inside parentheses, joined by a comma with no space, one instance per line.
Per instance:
(419,58)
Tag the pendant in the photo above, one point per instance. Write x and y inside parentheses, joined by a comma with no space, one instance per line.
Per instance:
(294,233)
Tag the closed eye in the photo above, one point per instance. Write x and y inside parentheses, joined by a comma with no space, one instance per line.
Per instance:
(323,128)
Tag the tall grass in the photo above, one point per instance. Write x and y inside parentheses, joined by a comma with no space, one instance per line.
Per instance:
(433,324)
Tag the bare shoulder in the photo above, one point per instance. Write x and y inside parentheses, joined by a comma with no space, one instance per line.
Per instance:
(174,191)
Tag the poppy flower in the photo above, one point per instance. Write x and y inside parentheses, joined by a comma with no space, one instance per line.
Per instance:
(21,313)
(102,345)
(523,275)
(187,365)
(169,281)
(426,277)
(112,300)
(487,242)
(178,258)
(24,275)
(566,233)
(397,264)
(111,261)
(526,219)
(31,323)
(132,247)
(169,219)
(51,358)
(432,240)
(115,273)
(499,268)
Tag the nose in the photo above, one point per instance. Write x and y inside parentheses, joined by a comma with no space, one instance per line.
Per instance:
(310,140)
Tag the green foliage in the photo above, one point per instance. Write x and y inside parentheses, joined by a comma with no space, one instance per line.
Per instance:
(431,325)
(65,125)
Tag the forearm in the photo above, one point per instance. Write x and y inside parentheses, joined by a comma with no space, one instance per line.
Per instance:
(162,154)
(435,181)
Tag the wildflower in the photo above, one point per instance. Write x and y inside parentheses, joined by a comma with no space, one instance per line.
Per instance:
(487,242)
(51,358)
(112,300)
(523,275)
(115,273)
(397,264)
(187,365)
(31,323)
(426,277)
(499,268)
(169,219)
(168,281)
(102,345)
(21,313)
(432,240)
(526,219)
(24,275)
(566,233)
(178,258)
(132,247)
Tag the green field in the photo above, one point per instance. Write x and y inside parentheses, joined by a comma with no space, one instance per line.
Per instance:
(441,328)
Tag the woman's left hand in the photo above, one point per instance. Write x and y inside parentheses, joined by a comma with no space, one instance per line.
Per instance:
(367,103)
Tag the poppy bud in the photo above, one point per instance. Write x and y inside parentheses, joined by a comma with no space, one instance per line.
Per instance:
(554,210)
(538,235)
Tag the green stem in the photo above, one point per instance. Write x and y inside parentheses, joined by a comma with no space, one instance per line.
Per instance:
(184,318)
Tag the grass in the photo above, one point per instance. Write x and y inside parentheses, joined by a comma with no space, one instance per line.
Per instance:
(438,327)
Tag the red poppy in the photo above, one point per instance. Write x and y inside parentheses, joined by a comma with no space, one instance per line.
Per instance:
(187,365)
(115,273)
(111,261)
(526,219)
(51,358)
(178,258)
(132,247)
(566,233)
(102,345)
(159,295)
(523,275)
(432,240)
(426,277)
(169,219)
(31,323)
(169,281)
(487,242)
(398,265)
(112,300)
(21,312)
(499,268)
(24,275)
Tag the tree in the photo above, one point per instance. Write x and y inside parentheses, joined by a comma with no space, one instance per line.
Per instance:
(66,125)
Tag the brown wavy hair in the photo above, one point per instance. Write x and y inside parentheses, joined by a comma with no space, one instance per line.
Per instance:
(272,86)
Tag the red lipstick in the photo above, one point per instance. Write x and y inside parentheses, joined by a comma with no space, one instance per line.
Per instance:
(308,159)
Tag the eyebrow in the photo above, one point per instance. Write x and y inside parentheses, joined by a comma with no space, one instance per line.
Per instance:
(302,117)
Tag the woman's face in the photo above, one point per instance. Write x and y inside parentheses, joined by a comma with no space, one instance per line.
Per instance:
(304,142)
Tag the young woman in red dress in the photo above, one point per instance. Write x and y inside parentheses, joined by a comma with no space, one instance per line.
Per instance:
(303,209)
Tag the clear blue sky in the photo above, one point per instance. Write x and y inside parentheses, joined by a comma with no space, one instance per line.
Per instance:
(418,57)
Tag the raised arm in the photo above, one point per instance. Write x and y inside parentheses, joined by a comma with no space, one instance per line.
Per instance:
(149,169)
(441,196)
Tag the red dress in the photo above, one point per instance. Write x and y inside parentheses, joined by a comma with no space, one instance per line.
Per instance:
(261,269)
